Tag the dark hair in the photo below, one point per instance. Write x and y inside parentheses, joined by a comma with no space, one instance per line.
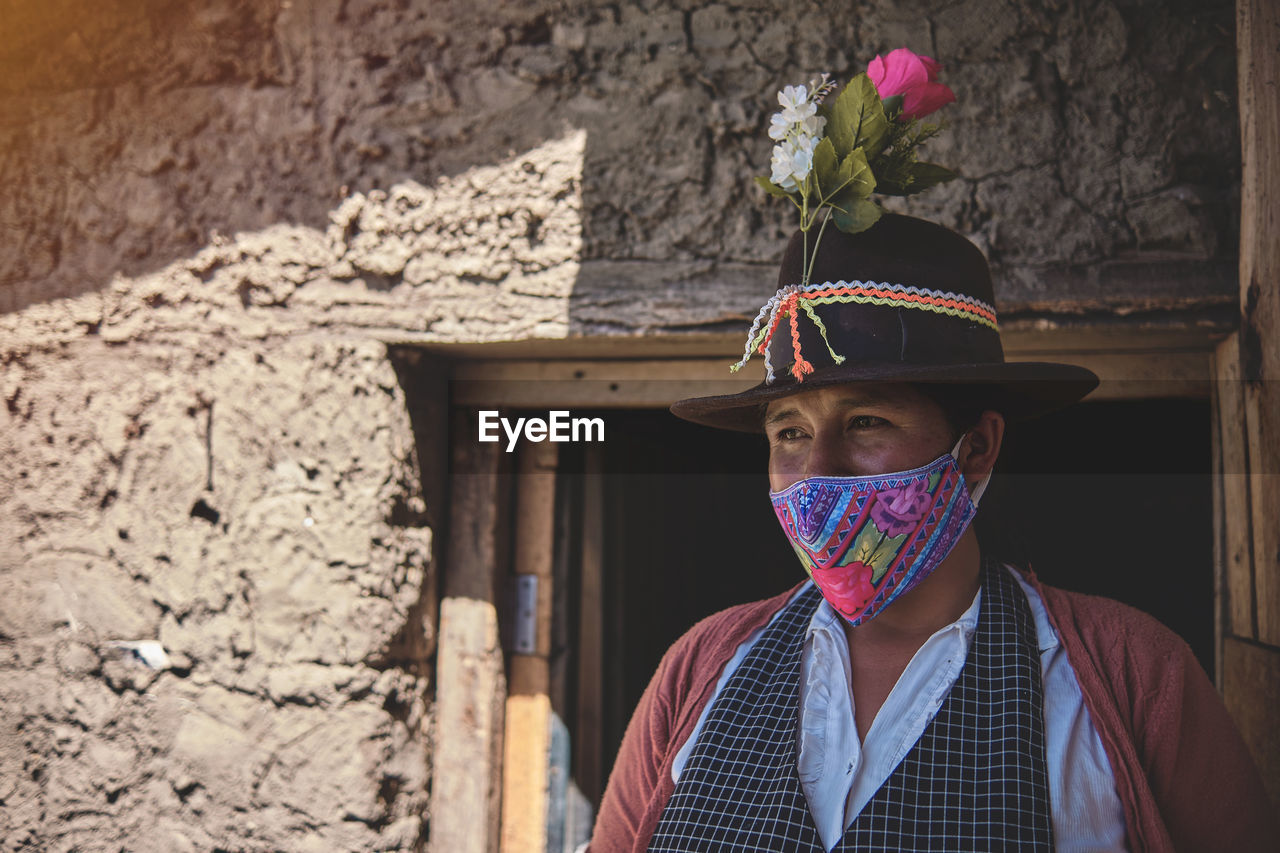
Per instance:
(961,404)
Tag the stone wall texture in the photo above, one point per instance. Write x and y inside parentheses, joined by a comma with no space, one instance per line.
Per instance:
(218,216)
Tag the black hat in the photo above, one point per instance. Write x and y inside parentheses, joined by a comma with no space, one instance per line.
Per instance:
(905,300)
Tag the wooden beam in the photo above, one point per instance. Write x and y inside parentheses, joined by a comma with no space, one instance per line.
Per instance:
(1220,615)
(1258,46)
(573,383)
(529,716)
(1233,514)
(1251,682)
(588,760)
(470,679)
(1022,339)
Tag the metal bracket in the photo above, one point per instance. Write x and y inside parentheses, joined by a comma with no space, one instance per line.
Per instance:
(526,633)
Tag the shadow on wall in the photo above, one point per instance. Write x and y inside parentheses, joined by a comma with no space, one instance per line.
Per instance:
(136,134)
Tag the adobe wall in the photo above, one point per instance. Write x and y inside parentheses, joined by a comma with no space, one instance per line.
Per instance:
(217,215)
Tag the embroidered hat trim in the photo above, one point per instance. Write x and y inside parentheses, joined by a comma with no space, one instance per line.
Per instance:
(789,301)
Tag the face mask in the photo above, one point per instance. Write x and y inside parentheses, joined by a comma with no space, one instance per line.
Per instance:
(867,540)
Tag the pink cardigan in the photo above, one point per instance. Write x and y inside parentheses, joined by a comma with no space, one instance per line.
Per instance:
(1183,773)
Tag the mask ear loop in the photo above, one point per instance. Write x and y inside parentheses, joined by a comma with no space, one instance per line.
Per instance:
(981,486)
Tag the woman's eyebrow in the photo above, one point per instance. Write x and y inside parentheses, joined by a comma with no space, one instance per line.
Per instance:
(780,415)
(884,402)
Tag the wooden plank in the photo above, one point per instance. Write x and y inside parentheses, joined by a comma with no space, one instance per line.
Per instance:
(535,535)
(588,761)
(1251,683)
(1258,46)
(526,760)
(563,660)
(1233,480)
(524,783)
(470,679)
(1022,340)
(656,384)
(1220,601)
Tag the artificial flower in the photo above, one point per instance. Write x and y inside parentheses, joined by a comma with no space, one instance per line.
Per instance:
(813,125)
(796,106)
(827,162)
(779,127)
(792,161)
(912,76)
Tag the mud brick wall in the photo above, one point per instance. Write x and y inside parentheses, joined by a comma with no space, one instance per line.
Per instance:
(216,216)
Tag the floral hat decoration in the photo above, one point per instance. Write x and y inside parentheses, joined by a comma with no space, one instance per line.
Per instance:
(880,295)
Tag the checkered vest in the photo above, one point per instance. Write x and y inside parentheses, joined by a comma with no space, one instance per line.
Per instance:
(975,780)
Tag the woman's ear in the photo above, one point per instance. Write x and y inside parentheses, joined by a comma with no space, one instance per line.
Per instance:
(981,446)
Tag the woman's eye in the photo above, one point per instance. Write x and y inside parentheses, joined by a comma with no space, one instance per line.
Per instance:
(865,421)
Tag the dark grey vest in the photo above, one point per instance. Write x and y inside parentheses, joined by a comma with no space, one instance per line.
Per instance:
(975,780)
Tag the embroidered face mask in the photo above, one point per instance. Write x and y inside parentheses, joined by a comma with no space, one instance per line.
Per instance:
(867,540)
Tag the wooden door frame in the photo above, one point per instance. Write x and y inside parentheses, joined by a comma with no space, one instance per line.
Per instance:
(509,726)
(1248,367)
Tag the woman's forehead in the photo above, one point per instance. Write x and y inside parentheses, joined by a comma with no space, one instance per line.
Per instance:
(897,395)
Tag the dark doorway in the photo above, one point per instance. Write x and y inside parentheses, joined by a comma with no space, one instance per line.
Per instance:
(1111,498)
(1114,498)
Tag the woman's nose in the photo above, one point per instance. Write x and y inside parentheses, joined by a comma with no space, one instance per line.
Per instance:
(828,457)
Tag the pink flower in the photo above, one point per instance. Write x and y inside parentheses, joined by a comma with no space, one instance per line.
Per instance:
(848,588)
(914,78)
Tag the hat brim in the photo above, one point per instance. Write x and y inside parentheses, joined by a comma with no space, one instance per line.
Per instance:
(1018,390)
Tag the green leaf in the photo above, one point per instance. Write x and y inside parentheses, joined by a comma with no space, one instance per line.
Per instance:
(859,216)
(857,120)
(892,106)
(826,170)
(857,172)
(770,187)
(873,549)
(857,181)
(884,557)
(925,175)
(863,549)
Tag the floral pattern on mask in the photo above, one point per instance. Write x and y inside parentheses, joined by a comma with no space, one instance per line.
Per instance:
(899,510)
(867,540)
(848,588)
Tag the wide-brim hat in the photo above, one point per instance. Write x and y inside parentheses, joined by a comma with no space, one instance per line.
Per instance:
(907,301)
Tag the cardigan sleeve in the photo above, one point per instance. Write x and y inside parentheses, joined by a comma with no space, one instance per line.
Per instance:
(1206,785)
(1181,768)
(637,771)
(640,783)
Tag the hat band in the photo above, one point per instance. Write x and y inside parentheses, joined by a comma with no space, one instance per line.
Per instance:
(790,301)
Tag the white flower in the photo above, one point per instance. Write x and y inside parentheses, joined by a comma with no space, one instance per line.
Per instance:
(796,106)
(781,166)
(792,161)
(802,156)
(813,125)
(797,129)
(792,97)
(779,127)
